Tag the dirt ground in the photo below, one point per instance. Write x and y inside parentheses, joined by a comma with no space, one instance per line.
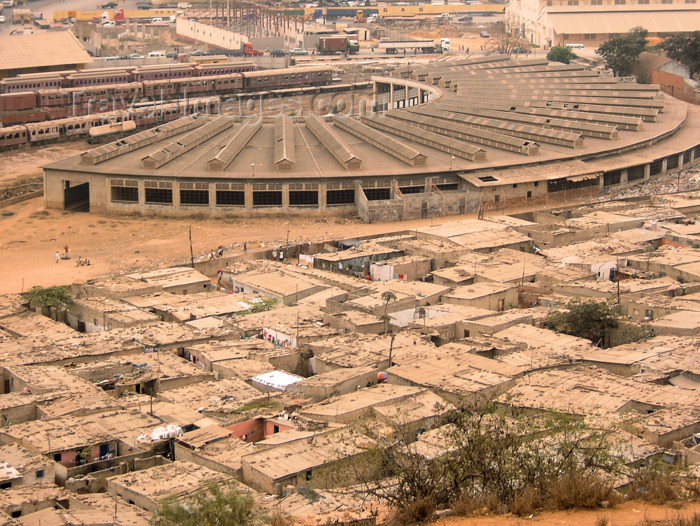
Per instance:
(633,513)
(31,235)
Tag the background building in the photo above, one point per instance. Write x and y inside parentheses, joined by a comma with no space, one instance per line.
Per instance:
(590,22)
(40,52)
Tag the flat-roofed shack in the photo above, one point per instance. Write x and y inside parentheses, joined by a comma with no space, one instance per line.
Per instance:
(149,487)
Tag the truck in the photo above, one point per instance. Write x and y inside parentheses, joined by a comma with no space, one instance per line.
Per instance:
(330,45)
(413,46)
(22,16)
(246,50)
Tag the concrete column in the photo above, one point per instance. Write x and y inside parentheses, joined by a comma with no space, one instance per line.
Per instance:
(142,193)
(212,196)
(322,196)
(624,176)
(664,165)
(248,195)
(285,196)
(176,194)
(647,171)
(680,160)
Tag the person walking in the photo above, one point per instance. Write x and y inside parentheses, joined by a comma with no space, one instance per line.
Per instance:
(58,256)
(66,256)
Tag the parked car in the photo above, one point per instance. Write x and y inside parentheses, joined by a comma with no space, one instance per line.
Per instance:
(108,5)
(171,54)
(466,18)
(110,59)
(184,5)
(135,56)
(298,51)
(2,19)
(109,23)
(144,7)
(198,53)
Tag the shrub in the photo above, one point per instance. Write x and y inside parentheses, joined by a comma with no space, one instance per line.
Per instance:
(412,512)
(580,490)
(655,484)
(527,501)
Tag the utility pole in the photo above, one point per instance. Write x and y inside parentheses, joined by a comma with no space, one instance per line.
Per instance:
(191,251)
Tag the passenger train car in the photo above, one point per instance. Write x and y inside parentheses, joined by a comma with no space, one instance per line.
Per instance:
(75,110)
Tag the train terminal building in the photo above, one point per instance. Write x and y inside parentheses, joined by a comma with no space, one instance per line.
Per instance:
(442,138)
(41,52)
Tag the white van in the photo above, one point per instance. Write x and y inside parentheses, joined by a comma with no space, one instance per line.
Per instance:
(156,54)
(157,20)
(184,5)
(575,46)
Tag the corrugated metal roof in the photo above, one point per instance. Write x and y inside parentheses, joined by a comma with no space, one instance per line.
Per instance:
(455,129)
(428,138)
(331,141)
(378,139)
(607,131)
(284,139)
(139,140)
(241,137)
(522,128)
(184,144)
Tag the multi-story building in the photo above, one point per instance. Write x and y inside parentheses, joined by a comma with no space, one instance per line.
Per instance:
(590,22)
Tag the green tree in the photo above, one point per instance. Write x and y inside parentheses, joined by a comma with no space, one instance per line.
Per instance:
(561,54)
(621,53)
(585,319)
(56,296)
(263,305)
(684,48)
(492,456)
(214,506)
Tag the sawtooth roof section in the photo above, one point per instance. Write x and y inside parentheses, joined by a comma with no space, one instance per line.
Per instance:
(333,143)
(380,141)
(468,133)
(186,143)
(229,151)
(435,141)
(622,123)
(446,65)
(632,123)
(553,87)
(601,131)
(632,98)
(576,98)
(285,157)
(524,130)
(646,114)
(139,140)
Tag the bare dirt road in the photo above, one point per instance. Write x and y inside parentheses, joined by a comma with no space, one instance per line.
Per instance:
(634,513)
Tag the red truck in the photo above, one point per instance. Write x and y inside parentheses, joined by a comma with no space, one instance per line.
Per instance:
(337,44)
